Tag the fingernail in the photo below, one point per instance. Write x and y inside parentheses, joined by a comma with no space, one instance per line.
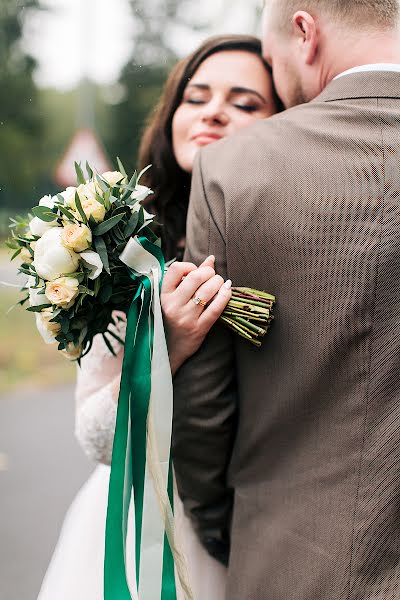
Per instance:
(228,284)
(211,257)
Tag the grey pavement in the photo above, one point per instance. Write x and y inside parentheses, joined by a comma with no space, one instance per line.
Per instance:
(41,469)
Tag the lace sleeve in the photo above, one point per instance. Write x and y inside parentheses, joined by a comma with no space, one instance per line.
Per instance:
(97,396)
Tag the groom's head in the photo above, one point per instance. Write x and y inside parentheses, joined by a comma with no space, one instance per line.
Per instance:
(308,42)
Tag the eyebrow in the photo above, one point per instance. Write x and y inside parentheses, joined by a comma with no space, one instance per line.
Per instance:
(235,90)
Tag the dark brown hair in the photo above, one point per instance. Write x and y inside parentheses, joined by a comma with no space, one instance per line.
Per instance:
(171,185)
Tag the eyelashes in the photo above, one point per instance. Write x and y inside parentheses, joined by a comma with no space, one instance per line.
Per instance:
(248,108)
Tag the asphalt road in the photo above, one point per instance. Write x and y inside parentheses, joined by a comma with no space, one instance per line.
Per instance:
(41,469)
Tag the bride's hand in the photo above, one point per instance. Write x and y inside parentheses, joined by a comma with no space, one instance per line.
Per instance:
(188,323)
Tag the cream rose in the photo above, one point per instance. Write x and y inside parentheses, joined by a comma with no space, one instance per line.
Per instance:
(63,291)
(47,329)
(76,237)
(52,259)
(93,208)
(113,177)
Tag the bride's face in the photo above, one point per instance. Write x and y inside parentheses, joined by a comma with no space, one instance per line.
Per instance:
(229,91)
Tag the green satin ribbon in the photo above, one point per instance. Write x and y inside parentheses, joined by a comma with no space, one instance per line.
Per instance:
(128,465)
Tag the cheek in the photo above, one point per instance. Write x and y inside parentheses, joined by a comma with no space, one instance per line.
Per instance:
(182,147)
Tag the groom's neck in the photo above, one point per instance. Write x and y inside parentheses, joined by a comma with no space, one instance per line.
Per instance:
(357,50)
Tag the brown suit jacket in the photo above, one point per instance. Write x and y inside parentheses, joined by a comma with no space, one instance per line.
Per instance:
(303,435)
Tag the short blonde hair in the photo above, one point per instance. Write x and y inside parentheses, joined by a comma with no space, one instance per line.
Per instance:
(368,14)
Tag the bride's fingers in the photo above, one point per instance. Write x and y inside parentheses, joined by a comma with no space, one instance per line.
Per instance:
(209,262)
(207,291)
(191,284)
(174,275)
(215,309)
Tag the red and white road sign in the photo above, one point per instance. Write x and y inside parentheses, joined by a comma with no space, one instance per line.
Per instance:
(84,147)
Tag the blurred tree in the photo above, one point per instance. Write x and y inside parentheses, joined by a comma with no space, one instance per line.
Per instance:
(20,118)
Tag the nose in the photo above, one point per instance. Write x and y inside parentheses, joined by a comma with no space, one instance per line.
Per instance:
(214,112)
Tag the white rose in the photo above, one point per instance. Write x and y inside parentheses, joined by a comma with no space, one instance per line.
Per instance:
(92,260)
(52,259)
(141,192)
(48,201)
(113,177)
(46,328)
(87,190)
(39,227)
(92,208)
(62,291)
(77,237)
(69,196)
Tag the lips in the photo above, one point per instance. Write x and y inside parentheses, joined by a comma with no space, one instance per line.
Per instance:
(206,137)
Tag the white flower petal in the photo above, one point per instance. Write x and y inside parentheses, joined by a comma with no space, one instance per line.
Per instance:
(48,201)
(92,260)
(141,192)
(47,336)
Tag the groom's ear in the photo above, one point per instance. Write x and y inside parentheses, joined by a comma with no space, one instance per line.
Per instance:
(306,34)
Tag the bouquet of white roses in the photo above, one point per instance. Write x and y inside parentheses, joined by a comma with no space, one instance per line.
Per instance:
(71,247)
(70,250)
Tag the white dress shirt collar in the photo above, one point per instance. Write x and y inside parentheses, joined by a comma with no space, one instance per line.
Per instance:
(369,68)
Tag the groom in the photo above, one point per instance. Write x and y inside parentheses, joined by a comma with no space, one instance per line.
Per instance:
(288,457)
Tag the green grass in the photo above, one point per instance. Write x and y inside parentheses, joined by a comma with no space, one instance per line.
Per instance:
(25,360)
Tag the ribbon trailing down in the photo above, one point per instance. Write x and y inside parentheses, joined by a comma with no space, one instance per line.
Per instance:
(141,468)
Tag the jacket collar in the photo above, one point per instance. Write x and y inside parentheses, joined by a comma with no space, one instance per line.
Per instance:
(371,84)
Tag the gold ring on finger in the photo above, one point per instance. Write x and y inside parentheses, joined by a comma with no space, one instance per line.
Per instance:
(198,301)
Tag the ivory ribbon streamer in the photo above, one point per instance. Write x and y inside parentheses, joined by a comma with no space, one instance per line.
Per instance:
(146,387)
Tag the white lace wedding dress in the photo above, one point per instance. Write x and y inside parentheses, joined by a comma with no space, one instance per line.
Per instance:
(76,569)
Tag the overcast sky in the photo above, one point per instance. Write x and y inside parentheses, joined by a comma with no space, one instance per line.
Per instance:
(76,37)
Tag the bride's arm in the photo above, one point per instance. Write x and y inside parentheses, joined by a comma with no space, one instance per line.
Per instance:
(96,396)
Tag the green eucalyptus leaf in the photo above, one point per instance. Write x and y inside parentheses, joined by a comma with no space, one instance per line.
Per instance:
(131,225)
(44,213)
(121,167)
(89,170)
(79,207)
(79,173)
(38,308)
(107,225)
(101,249)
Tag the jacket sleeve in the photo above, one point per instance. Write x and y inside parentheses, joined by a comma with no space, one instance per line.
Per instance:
(205,403)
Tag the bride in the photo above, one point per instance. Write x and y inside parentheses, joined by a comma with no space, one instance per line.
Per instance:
(220,88)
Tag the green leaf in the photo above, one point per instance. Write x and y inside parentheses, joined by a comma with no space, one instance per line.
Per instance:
(105,293)
(89,171)
(97,286)
(44,213)
(100,199)
(38,308)
(131,225)
(66,212)
(121,168)
(107,225)
(79,207)
(79,173)
(16,253)
(101,249)
(85,290)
